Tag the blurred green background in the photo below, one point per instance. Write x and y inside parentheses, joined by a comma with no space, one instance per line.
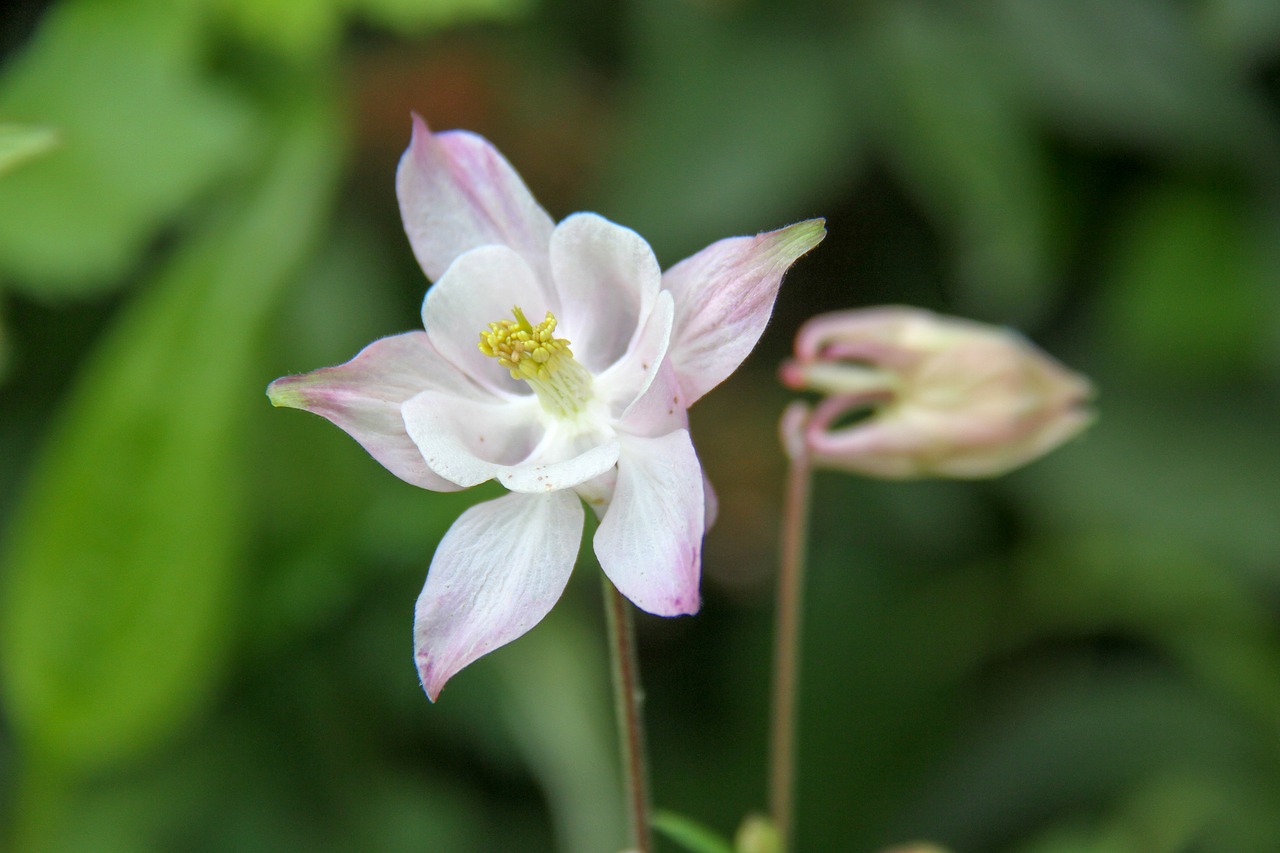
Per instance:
(205,604)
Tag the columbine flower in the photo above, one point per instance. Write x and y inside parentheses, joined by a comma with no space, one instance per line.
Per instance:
(587,359)
(947,397)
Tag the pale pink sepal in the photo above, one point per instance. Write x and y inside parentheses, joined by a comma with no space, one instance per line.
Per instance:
(364,398)
(650,540)
(498,571)
(457,192)
(724,296)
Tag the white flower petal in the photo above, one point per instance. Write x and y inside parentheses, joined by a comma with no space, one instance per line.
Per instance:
(457,192)
(364,397)
(481,288)
(471,441)
(724,296)
(607,278)
(597,492)
(566,458)
(650,539)
(660,409)
(498,571)
(630,377)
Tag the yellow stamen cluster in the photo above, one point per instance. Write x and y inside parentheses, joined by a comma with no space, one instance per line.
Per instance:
(528,351)
(536,355)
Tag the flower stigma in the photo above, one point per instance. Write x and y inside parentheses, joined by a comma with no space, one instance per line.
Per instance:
(536,355)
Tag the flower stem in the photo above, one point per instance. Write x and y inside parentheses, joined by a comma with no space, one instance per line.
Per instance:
(627,698)
(786,649)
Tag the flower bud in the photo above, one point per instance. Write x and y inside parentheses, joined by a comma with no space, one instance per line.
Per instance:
(757,834)
(942,396)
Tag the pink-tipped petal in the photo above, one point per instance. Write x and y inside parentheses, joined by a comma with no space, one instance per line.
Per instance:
(912,445)
(471,441)
(650,539)
(498,571)
(881,326)
(724,296)
(481,288)
(792,429)
(885,336)
(365,395)
(457,192)
(890,449)
(607,278)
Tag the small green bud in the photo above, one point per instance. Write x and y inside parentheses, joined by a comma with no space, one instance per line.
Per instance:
(757,835)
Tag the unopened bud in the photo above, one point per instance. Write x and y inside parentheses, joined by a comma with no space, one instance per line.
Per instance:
(941,396)
(757,835)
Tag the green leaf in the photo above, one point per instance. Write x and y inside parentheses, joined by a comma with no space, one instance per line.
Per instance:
(121,571)
(689,834)
(299,29)
(308,30)
(20,143)
(144,133)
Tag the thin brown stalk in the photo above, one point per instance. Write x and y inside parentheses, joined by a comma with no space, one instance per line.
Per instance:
(627,698)
(786,655)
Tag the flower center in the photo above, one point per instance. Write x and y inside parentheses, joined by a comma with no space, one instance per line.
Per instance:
(536,355)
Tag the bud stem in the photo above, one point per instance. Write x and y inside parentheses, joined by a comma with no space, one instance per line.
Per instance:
(786,649)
